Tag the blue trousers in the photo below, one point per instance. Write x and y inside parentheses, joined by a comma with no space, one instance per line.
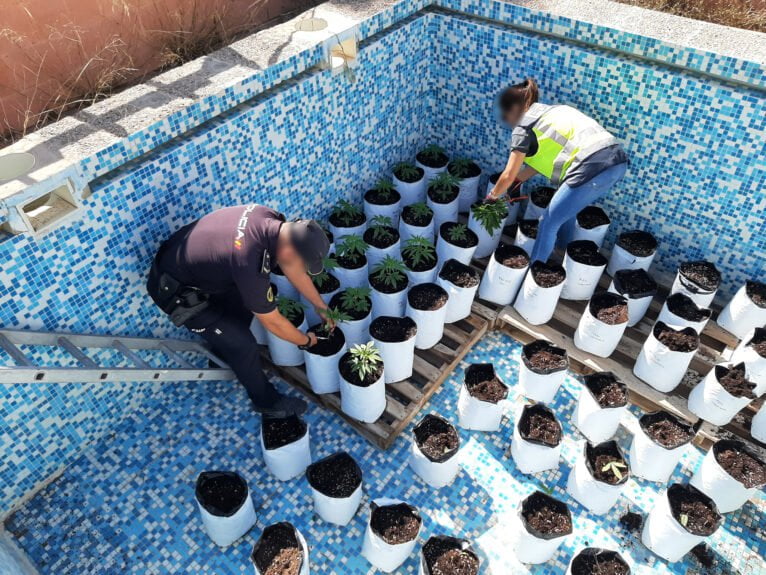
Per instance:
(565,205)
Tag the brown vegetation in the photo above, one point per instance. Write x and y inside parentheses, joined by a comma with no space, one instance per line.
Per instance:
(748,14)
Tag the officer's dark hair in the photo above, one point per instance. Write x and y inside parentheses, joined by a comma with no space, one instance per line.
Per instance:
(523,94)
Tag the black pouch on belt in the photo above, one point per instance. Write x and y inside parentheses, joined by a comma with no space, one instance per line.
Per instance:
(180,302)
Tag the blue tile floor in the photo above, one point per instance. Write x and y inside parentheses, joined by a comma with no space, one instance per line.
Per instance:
(127,506)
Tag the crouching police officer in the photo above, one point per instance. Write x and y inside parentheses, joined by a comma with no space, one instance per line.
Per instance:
(212,274)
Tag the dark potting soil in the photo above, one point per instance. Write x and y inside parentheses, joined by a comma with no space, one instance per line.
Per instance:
(381,198)
(600,456)
(701,516)
(445,557)
(585,252)
(592,217)
(222,493)
(547,276)
(329,346)
(413,219)
(634,283)
(356,220)
(683,306)
(542,197)
(393,329)
(439,162)
(610,308)
(411,180)
(511,256)
(741,465)
(735,380)
(758,341)
(278,551)
(702,274)
(473,171)
(383,287)
(543,356)
(666,430)
(546,515)
(436,437)
(347,371)
(396,524)
(282,431)
(449,198)
(335,303)
(427,297)
(703,554)
(604,563)
(606,390)
(470,240)
(351,262)
(330,285)
(632,521)
(382,242)
(337,475)
(637,243)
(756,291)
(529,228)
(540,426)
(459,274)
(483,384)
(685,340)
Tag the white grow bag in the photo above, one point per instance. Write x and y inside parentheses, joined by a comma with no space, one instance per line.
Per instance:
(524,241)
(651,460)
(407,231)
(430,325)
(285,353)
(596,555)
(290,460)
(664,535)
(461,544)
(411,192)
(322,370)
(758,425)
(312,317)
(699,295)
(385,210)
(259,332)
(224,527)
(430,173)
(715,482)
(434,473)
(422,277)
(356,331)
(469,190)
(659,366)
(711,402)
(377,255)
(597,423)
(487,242)
(336,510)
(446,251)
(534,303)
(582,279)
(365,404)
(500,284)
(306,561)
(598,497)
(352,277)
(398,357)
(622,259)
(668,317)
(529,456)
(380,554)
(460,299)
(340,232)
(754,363)
(284,287)
(443,212)
(391,304)
(532,548)
(477,414)
(595,235)
(741,315)
(533,211)
(595,336)
(540,386)
(638,303)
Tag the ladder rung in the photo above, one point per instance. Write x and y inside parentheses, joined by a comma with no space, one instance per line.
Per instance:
(175,357)
(215,359)
(78,354)
(16,354)
(130,354)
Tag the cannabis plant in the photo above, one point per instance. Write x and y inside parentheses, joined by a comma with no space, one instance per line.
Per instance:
(419,250)
(390,272)
(406,172)
(614,467)
(420,210)
(352,247)
(381,229)
(385,189)
(460,167)
(443,186)
(355,300)
(346,212)
(432,152)
(333,316)
(365,360)
(289,308)
(457,233)
(320,280)
(491,215)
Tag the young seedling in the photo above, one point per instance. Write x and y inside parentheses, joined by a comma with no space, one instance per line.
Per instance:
(406,172)
(333,316)
(419,250)
(432,152)
(420,210)
(614,467)
(385,189)
(355,300)
(381,229)
(491,215)
(346,212)
(365,360)
(289,308)
(443,187)
(320,280)
(460,167)
(391,272)
(352,248)
(683,519)
(457,233)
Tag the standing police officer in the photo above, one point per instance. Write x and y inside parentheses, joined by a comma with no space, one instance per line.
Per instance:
(212,274)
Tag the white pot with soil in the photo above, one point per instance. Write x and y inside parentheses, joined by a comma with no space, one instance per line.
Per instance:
(432,160)
(602,324)
(680,311)
(539,200)
(468,173)
(482,398)
(591,224)
(601,405)
(322,359)
(442,197)
(410,182)
(658,445)
(665,356)
(395,339)
(752,351)
(722,394)
(285,445)
(536,444)
(224,503)
(391,533)
(513,207)
(456,242)
(356,303)
(540,293)
(362,388)
(526,234)
(682,518)
(595,560)
(539,528)
(346,219)
(487,220)
(698,280)
(638,287)
(633,250)
(746,310)
(443,555)
(542,370)
(758,425)
(281,549)
(460,282)
(388,283)
(283,285)
(283,352)
(730,474)
(417,221)
(383,242)
(434,452)
(327,285)
(583,265)
(504,275)
(420,261)
(382,202)
(336,487)
(427,306)
(352,269)
(598,477)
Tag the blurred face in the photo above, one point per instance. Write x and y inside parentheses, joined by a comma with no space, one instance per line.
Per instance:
(513,115)
(286,253)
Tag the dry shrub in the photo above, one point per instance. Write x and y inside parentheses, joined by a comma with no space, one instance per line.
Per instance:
(747,14)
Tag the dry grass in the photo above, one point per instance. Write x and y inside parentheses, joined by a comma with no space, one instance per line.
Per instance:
(747,14)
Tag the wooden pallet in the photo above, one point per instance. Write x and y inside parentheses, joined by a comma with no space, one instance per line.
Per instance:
(716,345)
(406,398)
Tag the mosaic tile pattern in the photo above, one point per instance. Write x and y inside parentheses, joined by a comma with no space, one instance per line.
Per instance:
(130,502)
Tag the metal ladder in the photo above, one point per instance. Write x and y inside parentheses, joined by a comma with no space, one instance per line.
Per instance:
(88,370)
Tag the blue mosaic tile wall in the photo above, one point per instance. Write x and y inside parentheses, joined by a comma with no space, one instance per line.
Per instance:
(130,501)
